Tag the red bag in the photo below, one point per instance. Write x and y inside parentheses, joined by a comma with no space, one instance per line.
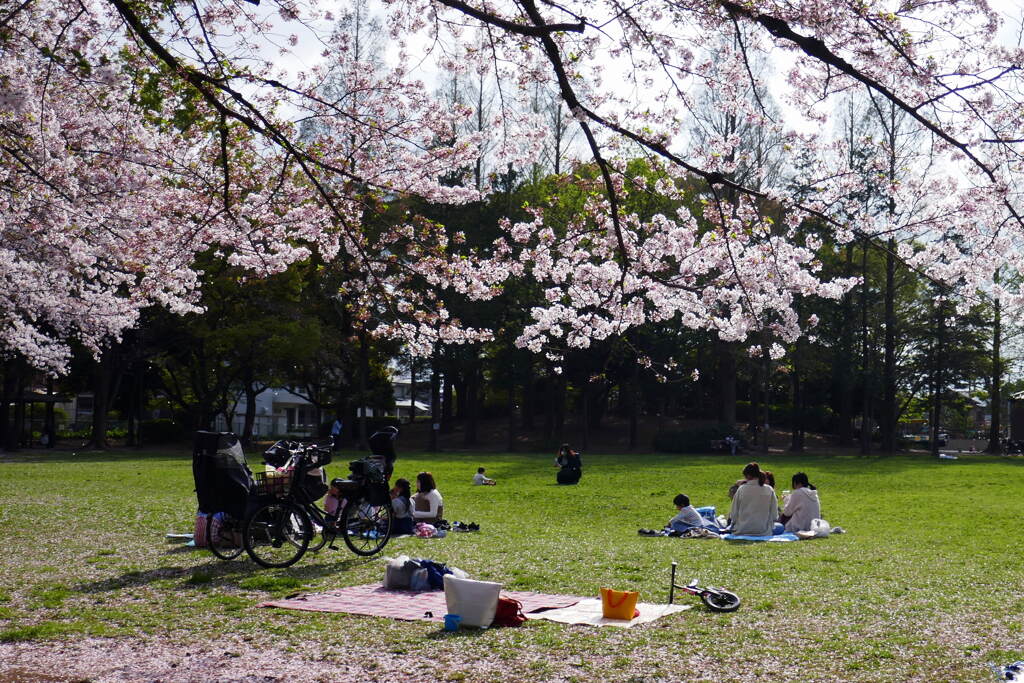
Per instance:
(509,613)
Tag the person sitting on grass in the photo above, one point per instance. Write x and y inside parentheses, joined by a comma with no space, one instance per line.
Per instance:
(481,479)
(427,504)
(401,506)
(754,507)
(569,464)
(687,518)
(801,506)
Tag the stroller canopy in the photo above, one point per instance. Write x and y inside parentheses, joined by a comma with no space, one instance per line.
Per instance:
(222,477)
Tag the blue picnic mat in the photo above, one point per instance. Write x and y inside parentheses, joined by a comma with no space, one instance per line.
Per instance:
(778,538)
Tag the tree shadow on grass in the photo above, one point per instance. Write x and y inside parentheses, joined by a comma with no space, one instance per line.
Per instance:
(115,455)
(217,573)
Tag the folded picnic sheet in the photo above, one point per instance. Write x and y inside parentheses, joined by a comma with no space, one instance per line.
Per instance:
(588,611)
(375,601)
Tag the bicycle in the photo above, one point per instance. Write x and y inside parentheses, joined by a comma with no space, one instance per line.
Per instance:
(717,599)
(283,525)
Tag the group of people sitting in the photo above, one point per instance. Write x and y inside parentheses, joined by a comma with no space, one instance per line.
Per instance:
(755,508)
(408,508)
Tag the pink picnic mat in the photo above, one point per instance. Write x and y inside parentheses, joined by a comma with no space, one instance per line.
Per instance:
(373,600)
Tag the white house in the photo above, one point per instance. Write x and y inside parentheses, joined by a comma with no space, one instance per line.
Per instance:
(279,412)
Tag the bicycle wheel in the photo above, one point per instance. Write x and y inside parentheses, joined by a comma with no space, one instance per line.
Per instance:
(277,534)
(366,527)
(721,601)
(225,537)
(318,539)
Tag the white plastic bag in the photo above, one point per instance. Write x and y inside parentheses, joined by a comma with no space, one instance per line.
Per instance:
(821,528)
(474,601)
(397,573)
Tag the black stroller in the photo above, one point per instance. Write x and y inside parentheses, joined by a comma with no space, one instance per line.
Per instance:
(223,484)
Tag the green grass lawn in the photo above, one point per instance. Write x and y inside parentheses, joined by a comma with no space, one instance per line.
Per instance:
(926,584)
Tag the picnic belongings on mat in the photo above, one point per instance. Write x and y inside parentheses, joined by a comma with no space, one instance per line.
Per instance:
(619,604)
(694,532)
(405,573)
(508,613)
(476,602)
(1010,672)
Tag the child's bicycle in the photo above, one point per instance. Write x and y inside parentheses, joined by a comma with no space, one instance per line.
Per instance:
(717,599)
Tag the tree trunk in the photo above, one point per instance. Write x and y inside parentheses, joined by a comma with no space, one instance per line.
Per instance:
(765,398)
(447,398)
(726,383)
(412,389)
(585,415)
(250,414)
(844,361)
(797,436)
(888,421)
(435,402)
(634,406)
(8,440)
(511,406)
(995,440)
(50,424)
(865,420)
(100,401)
(940,361)
(472,405)
(560,398)
(528,395)
(549,386)
(19,414)
(364,380)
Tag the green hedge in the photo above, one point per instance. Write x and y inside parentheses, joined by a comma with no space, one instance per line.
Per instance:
(163,431)
(697,440)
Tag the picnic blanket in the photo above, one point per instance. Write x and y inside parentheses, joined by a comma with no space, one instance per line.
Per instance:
(588,611)
(779,538)
(375,601)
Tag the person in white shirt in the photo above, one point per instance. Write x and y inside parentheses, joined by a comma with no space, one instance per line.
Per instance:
(687,518)
(427,504)
(754,507)
(481,479)
(801,506)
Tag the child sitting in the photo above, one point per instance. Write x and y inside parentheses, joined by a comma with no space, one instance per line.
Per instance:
(333,504)
(401,506)
(687,518)
(480,479)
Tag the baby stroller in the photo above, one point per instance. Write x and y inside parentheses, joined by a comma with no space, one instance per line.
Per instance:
(223,483)
(382,450)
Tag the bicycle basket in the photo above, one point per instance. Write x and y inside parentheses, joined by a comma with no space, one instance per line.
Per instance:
(273,484)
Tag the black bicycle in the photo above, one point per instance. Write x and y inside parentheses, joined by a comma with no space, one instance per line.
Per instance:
(287,522)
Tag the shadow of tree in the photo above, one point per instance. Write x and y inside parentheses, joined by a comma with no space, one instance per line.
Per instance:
(218,573)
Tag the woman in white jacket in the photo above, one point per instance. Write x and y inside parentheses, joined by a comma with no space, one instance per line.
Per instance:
(427,504)
(801,506)
(754,507)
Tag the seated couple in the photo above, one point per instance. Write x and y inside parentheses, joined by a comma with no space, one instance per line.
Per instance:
(755,509)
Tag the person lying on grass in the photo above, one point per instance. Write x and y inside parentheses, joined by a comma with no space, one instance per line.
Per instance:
(801,506)
(754,507)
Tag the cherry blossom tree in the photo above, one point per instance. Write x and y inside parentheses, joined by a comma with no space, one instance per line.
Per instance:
(134,137)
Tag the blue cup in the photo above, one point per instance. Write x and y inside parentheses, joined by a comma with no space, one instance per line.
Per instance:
(451,622)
